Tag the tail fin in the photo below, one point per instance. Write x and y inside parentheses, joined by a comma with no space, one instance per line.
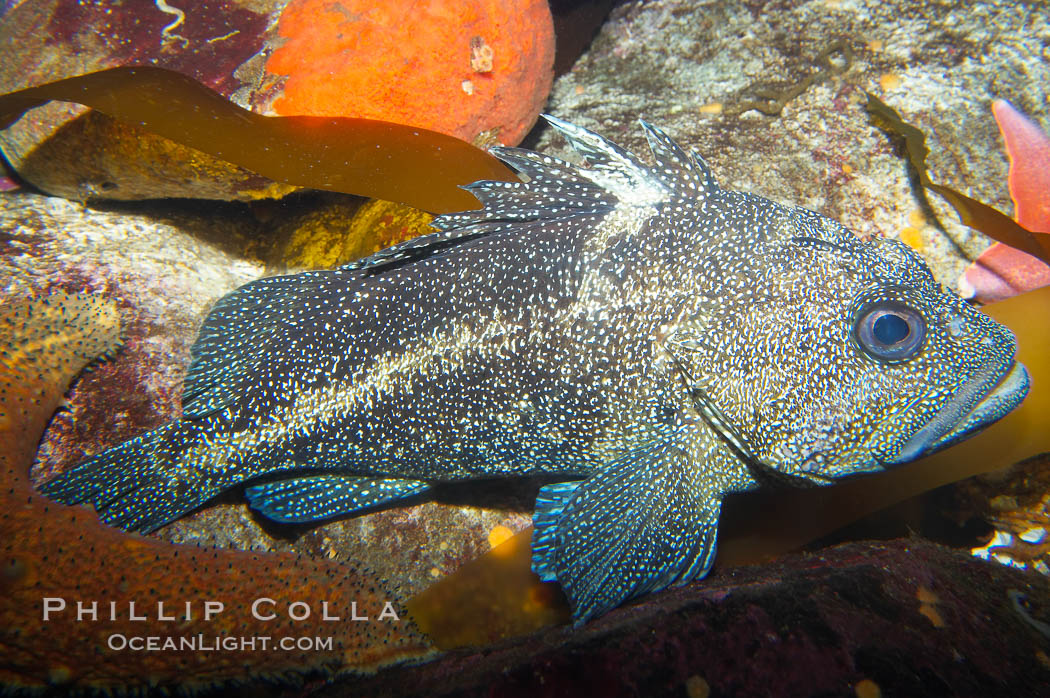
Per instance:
(139,485)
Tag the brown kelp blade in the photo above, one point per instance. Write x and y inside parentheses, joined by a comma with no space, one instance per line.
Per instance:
(382,160)
(498,596)
(973,213)
(494,597)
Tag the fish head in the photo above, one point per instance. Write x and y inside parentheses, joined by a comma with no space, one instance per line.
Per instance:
(813,353)
(832,356)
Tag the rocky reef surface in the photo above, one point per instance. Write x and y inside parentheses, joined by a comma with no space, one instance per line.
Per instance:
(897,618)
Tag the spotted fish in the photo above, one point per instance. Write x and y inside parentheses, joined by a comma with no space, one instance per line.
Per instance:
(640,337)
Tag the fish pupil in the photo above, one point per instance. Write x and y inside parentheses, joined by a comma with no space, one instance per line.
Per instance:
(890,329)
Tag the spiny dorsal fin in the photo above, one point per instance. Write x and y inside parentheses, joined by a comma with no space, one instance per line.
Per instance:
(558,190)
(612,167)
(686,173)
(555,189)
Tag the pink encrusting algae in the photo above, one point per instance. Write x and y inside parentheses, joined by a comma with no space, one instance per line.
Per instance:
(63,559)
(1002,271)
(1029,151)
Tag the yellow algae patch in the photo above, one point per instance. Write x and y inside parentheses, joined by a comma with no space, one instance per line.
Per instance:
(889,81)
(928,602)
(912,237)
(712,108)
(911,234)
(344,230)
(499,588)
(866,688)
(498,536)
(697,687)
(932,614)
(916,218)
(926,595)
(380,224)
(316,239)
(1042,658)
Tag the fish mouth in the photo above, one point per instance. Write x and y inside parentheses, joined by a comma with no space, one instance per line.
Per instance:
(1003,386)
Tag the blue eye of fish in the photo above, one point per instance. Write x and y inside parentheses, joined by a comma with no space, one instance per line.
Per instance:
(890,331)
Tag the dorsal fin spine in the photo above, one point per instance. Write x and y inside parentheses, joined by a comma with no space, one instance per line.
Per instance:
(685,173)
(611,167)
(557,189)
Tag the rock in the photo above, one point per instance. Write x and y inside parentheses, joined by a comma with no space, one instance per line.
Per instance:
(909,616)
(694,68)
(56,150)
(164,268)
(1016,502)
(260,54)
(337,230)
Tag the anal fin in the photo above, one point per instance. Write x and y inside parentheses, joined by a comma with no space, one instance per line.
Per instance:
(316,497)
(640,523)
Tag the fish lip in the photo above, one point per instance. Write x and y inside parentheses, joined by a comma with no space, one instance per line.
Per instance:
(1003,386)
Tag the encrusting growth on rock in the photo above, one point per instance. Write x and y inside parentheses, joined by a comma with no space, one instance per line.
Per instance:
(53,556)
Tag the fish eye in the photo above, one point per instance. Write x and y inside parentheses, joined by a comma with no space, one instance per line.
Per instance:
(890,331)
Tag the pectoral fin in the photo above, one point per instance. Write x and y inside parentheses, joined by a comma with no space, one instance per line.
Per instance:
(315,497)
(641,523)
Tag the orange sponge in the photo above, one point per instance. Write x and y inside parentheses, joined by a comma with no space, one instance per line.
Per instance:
(462,67)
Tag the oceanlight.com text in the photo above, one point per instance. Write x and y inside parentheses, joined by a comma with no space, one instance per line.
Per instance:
(216,643)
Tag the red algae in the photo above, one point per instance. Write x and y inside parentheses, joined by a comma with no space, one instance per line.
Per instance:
(1029,151)
(1000,271)
(461,68)
(55,556)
